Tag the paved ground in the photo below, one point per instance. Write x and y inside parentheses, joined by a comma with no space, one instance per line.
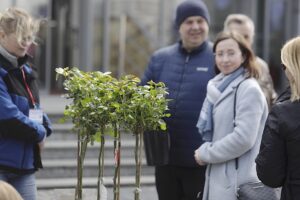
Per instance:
(148,193)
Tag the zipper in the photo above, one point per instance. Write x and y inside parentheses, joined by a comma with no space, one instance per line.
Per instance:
(187,59)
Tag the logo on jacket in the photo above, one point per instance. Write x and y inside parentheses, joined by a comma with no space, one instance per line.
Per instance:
(202,69)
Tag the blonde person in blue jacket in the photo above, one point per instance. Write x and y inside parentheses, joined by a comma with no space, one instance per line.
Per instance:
(224,140)
(23,125)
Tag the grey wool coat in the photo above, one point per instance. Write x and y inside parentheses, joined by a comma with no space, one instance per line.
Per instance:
(229,142)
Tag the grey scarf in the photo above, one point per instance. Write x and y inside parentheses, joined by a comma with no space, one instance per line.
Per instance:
(214,90)
(12,59)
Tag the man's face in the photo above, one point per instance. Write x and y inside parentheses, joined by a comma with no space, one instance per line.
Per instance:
(193,32)
(243,29)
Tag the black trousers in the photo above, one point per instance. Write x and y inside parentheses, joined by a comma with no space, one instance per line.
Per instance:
(179,183)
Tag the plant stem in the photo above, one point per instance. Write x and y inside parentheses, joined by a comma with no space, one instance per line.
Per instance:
(81,149)
(100,162)
(78,192)
(117,152)
(138,159)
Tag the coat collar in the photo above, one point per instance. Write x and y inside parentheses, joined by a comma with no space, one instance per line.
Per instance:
(195,51)
(7,65)
(230,89)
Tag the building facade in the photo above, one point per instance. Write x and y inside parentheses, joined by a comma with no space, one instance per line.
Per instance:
(120,35)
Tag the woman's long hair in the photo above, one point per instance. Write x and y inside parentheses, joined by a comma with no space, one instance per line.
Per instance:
(290,58)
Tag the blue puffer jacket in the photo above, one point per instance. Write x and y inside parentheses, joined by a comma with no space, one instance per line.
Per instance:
(186,76)
(19,136)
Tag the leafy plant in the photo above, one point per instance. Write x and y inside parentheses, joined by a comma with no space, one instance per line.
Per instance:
(145,111)
(101,102)
(89,113)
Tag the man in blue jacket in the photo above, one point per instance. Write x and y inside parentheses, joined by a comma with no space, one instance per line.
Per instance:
(185,67)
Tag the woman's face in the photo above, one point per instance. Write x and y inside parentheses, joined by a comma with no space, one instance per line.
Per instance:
(13,46)
(228,56)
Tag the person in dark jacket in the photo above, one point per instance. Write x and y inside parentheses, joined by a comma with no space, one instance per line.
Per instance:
(284,96)
(23,125)
(185,67)
(278,163)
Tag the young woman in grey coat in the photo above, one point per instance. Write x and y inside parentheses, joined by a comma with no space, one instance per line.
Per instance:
(226,140)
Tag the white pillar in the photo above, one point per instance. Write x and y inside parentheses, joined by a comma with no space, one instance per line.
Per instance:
(298,17)
(48,70)
(161,40)
(122,45)
(86,34)
(106,35)
(266,32)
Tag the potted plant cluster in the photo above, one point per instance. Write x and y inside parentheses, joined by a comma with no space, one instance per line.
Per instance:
(102,105)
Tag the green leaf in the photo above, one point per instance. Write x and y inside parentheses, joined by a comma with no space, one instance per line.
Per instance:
(163,126)
(99,100)
(59,70)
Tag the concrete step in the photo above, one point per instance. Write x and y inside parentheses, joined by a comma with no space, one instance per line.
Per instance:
(62,132)
(56,117)
(91,182)
(68,149)
(65,127)
(66,132)
(148,192)
(67,168)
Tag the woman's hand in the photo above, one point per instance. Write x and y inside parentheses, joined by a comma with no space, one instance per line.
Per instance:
(198,158)
(41,145)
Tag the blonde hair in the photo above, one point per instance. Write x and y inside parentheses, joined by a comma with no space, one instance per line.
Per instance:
(7,192)
(290,57)
(19,22)
(239,19)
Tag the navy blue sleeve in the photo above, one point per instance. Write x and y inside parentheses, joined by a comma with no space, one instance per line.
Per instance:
(14,123)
